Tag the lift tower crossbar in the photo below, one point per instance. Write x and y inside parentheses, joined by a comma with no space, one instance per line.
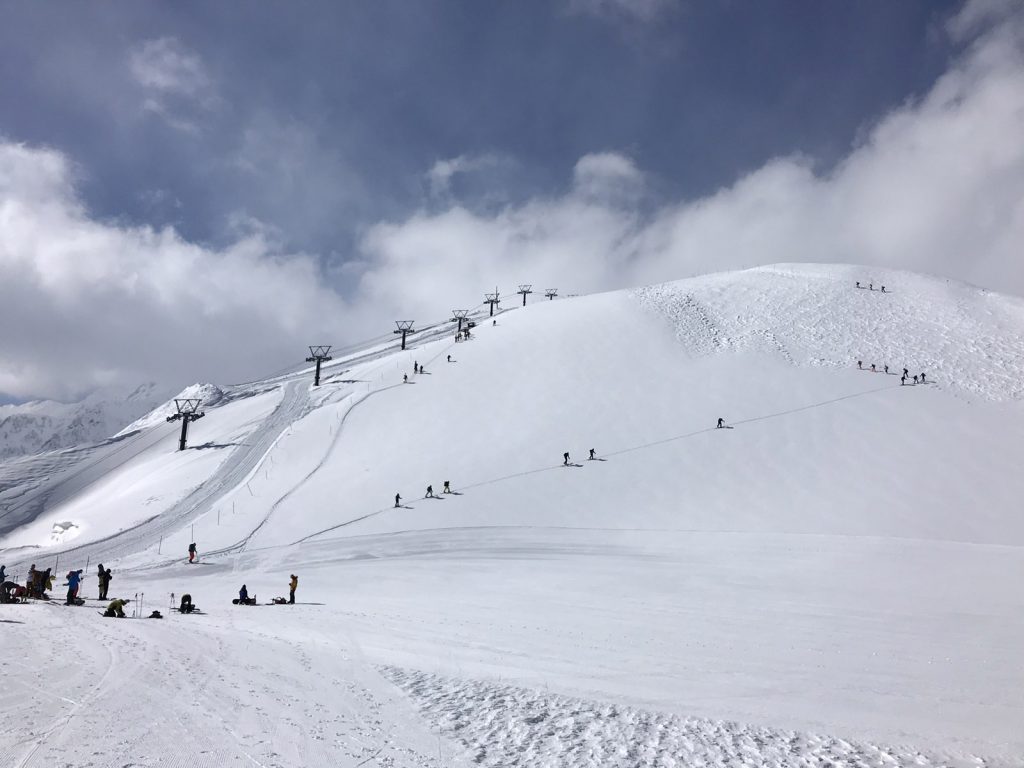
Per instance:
(404,328)
(188,410)
(458,315)
(493,299)
(318,355)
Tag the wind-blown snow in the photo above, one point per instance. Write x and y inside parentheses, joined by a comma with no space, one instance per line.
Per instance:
(834,578)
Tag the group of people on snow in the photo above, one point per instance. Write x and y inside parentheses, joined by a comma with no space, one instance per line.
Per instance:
(919,378)
(39,582)
(871,286)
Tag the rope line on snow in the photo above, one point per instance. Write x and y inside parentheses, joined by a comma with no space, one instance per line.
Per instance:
(620,452)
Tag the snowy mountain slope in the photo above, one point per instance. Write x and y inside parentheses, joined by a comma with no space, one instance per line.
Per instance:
(843,562)
(44,425)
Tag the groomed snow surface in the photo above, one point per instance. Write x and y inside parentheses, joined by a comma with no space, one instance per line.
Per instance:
(833,580)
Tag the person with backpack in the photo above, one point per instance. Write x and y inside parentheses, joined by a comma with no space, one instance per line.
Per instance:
(720,424)
(565,459)
(430,492)
(105,582)
(447,487)
(192,552)
(398,500)
(292,586)
(186,605)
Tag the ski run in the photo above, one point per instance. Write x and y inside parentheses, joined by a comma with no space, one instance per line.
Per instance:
(831,578)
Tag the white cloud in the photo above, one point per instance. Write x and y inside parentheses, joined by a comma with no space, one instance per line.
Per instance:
(440,175)
(640,10)
(85,304)
(165,65)
(937,185)
(173,79)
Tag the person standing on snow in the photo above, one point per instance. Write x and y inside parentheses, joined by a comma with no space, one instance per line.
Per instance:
(922,377)
(292,586)
(447,488)
(565,459)
(398,500)
(430,492)
(104,582)
(3,573)
(591,457)
(860,365)
(721,423)
(74,579)
(192,552)
(449,358)
(887,369)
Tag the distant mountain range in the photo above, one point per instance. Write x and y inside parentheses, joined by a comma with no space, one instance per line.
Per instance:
(45,425)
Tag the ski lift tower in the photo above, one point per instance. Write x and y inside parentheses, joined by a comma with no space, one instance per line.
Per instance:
(318,355)
(525,289)
(458,315)
(493,299)
(404,328)
(188,410)
(551,293)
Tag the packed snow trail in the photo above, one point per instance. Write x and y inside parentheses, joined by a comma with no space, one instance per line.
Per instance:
(198,692)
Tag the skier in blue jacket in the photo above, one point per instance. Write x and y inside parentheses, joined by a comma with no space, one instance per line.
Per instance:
(74,579)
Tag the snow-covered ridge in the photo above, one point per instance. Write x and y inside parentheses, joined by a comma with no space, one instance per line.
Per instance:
(40,426)
(966,339)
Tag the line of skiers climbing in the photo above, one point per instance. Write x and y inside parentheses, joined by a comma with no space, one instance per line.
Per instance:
(429,494)
(871,286)
(918,378)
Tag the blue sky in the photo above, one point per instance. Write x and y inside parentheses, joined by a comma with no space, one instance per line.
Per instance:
(320,118)
(195,190)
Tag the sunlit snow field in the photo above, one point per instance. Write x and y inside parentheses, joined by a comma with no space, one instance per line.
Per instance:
(834,577)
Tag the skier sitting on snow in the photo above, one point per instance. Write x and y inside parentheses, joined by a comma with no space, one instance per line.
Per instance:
(10,592)
(116,609)
(243,595)
(186,604)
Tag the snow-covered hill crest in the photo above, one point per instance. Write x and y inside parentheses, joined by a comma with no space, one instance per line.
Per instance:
(966,339)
